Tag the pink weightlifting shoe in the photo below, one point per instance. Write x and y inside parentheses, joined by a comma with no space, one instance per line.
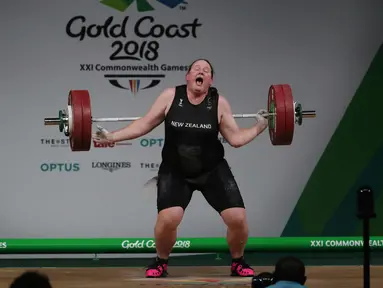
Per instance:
(240,268)
(158,269)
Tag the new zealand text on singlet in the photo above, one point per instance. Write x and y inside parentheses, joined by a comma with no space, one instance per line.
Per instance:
(190,125)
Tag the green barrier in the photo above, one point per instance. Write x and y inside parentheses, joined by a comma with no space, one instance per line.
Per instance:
(183,245)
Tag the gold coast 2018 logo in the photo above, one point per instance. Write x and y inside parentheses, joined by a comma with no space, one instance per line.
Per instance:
(134,60)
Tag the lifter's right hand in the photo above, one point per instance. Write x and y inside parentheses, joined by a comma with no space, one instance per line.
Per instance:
(102,135)
(261,119)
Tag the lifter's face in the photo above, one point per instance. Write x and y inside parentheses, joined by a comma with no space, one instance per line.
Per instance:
(199,78)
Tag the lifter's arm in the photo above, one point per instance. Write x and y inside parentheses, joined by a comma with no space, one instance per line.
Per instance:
(147,123)
(229,129)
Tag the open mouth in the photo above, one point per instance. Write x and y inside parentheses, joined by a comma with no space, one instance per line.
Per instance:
(199,80)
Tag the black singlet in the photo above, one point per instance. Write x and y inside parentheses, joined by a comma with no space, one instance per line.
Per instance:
(192,146)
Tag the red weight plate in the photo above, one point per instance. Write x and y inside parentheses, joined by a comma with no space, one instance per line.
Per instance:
(75,138)
(81,136)
(289,114)
(276,104)
(271,109)
(86,121)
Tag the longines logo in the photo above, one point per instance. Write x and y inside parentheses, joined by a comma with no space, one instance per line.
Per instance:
(111,166)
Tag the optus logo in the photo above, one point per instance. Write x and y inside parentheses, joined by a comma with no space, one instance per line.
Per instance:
(142,5)
(60,167)
(152,142)
(159,142)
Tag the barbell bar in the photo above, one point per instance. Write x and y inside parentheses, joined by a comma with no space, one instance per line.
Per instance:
(56,121)
(283,113)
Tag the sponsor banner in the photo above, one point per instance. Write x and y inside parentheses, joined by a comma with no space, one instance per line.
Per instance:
(152,142)
(60,167)
(182,245)
(111,145)
(55,142)
(144,142)
(111,166)
(125,53)
(150,166)
(150,244)
(160,142)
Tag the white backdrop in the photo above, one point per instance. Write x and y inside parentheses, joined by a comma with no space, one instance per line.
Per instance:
(321,48)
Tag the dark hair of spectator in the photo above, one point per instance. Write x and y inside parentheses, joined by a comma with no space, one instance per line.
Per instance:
(31,279)
(290,269)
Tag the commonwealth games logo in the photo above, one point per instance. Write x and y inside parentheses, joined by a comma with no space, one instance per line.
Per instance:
(134,61)
(142,5)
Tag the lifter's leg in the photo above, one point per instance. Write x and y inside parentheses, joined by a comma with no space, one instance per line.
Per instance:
(237,230)
(237,235)
(165,231)
(173,196)
(222,193)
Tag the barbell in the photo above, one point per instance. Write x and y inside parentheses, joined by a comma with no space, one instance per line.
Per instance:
(283,113)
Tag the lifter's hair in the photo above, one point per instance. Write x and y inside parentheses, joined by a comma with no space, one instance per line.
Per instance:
(208,62)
